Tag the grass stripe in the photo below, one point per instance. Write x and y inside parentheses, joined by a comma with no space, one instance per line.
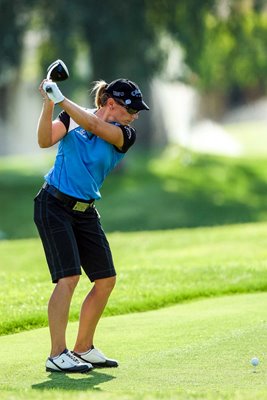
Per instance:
(155,269)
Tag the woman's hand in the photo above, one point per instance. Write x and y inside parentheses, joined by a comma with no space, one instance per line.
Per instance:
(49,132)
(52,91)
(42,91)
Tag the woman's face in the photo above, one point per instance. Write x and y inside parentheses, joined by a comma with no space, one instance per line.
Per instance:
(119,113)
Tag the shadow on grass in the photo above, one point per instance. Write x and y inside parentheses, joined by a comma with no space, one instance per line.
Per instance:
(153,193)
(206,191)
(66,382)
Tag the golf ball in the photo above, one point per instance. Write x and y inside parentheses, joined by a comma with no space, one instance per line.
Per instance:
(254,361)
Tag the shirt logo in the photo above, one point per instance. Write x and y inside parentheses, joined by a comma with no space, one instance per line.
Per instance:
(128,131)
(81,132)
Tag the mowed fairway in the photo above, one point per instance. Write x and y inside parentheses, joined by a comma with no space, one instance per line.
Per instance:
(201,349)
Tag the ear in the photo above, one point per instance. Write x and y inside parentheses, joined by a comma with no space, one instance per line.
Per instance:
(110,103)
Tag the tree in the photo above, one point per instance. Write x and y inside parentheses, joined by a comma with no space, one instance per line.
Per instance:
(224,43)
(120,40)
(185,22)
(14,17)
(233,58)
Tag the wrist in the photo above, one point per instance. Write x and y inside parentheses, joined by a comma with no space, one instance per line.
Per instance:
(47,103)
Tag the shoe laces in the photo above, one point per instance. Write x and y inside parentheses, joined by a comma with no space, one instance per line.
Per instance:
(73,357)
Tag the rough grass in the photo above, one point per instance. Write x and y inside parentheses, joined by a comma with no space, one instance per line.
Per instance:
(155,269)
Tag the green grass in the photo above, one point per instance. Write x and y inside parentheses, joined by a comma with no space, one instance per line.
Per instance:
(155,269)
(20,180)
(198,350)
(149,192)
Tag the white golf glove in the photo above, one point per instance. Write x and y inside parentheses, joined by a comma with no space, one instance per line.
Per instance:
(53,92)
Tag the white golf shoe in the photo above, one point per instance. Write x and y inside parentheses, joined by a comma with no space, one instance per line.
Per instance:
(97,359)
(67,362)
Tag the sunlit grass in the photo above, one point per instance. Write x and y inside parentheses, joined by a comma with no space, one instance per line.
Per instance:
(198,350)
(155,269)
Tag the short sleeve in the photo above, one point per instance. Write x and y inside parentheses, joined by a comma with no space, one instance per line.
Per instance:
(129,136)
(65,119)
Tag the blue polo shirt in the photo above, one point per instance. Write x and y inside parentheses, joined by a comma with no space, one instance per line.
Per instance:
(84,160)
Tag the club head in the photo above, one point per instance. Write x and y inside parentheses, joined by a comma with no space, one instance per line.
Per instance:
(57,71)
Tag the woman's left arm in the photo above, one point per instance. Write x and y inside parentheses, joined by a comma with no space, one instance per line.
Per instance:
(90,122)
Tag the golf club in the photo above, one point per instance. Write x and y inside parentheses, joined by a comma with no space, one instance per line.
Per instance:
(57,71)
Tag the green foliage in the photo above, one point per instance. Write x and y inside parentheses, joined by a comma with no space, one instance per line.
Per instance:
(185,21)
(119,39)
(234,55)
(14,18)
(225,50)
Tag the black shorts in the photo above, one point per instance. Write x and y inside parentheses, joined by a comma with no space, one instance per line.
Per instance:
(72,239)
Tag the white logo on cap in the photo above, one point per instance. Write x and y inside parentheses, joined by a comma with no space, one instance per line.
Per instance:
(128,101)
(136,93)
(118,94)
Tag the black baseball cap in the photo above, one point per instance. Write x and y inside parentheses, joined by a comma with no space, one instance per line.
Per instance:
(128,92)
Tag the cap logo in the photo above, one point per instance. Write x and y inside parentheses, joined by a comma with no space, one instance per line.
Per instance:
(136,93)
(128,101)
(118,94)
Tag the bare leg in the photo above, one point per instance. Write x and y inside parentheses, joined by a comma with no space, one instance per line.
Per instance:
(58,313)
(91,311)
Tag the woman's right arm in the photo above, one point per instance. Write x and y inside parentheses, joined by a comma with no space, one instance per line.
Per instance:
(49,132)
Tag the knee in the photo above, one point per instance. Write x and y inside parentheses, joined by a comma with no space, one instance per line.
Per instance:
(111,283)
(70,282)
(105,285)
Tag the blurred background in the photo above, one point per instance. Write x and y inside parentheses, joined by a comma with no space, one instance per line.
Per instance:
(200,157)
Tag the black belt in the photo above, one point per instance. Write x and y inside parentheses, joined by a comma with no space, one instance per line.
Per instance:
(69,201)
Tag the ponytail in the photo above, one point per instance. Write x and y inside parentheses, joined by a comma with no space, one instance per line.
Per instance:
(100,95)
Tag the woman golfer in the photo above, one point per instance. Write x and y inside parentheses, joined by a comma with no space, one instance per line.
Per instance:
(91,144)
